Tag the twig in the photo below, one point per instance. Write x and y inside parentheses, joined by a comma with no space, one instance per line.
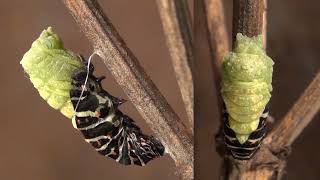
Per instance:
(176,21)
(265,24)
(218,40)
(297,118)
(206,93)
(139,88)
(217,29)
(247,17)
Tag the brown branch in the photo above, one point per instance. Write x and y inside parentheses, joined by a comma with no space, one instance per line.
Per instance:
(218,40)
(139,88)
(247,17)
(218,33)
(300,115)
(264,24)
(176,21)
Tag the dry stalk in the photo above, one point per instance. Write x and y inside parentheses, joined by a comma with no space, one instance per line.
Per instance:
(299,116)
(247,17)
(176,21)
(218,34)
(139,88)
(218,40)
(264,24)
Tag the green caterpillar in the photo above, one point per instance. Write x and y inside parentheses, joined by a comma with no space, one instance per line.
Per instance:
(246,86)
(50,66)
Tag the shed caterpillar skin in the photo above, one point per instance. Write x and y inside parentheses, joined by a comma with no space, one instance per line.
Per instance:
(246,90)
(108,130)
(49,66)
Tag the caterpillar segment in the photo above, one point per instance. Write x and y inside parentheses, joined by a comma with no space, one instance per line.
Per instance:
(107,129)
(246,150)
(246,91)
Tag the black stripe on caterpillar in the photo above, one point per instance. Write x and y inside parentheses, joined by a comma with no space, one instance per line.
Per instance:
(105,127)
(246,150)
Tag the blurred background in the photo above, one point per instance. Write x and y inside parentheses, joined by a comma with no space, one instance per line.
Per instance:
(40,143)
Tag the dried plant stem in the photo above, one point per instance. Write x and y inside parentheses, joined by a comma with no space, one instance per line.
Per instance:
(218,40)
(176,21)
(264,23)
(299,116)
(218,34)
(247,17)
(139,88)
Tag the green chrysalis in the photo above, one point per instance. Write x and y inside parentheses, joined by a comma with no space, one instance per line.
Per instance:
(246,85)
(49,66)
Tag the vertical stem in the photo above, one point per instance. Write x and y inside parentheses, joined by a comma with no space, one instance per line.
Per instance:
(248,20)
(176,21)
(265,24)
(218,40)
(217,30)
(247,17)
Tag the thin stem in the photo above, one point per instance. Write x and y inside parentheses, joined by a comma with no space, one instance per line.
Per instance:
(247,17)
(265,24)
(218,33)
(299,116)
(176,21)
(139,88)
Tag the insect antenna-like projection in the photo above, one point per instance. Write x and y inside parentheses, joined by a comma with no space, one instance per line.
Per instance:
(104,126)
(246,87)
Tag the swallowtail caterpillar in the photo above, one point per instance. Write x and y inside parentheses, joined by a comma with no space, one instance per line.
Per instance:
(107,129)
(246,91)
(59,75)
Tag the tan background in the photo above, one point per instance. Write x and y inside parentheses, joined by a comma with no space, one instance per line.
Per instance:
(39,143)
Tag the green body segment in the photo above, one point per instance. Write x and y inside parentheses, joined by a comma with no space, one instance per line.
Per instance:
(246,85)
(50,66)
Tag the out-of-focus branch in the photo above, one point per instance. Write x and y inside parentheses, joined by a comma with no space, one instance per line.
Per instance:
(176,21)
(299,116)
(139,88)
(218,39)
(218,34)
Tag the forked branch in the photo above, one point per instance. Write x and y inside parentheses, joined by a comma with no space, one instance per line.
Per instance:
(139,88)
(176,22)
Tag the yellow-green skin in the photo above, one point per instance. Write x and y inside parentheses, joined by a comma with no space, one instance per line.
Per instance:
(50,66)
(246,85)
